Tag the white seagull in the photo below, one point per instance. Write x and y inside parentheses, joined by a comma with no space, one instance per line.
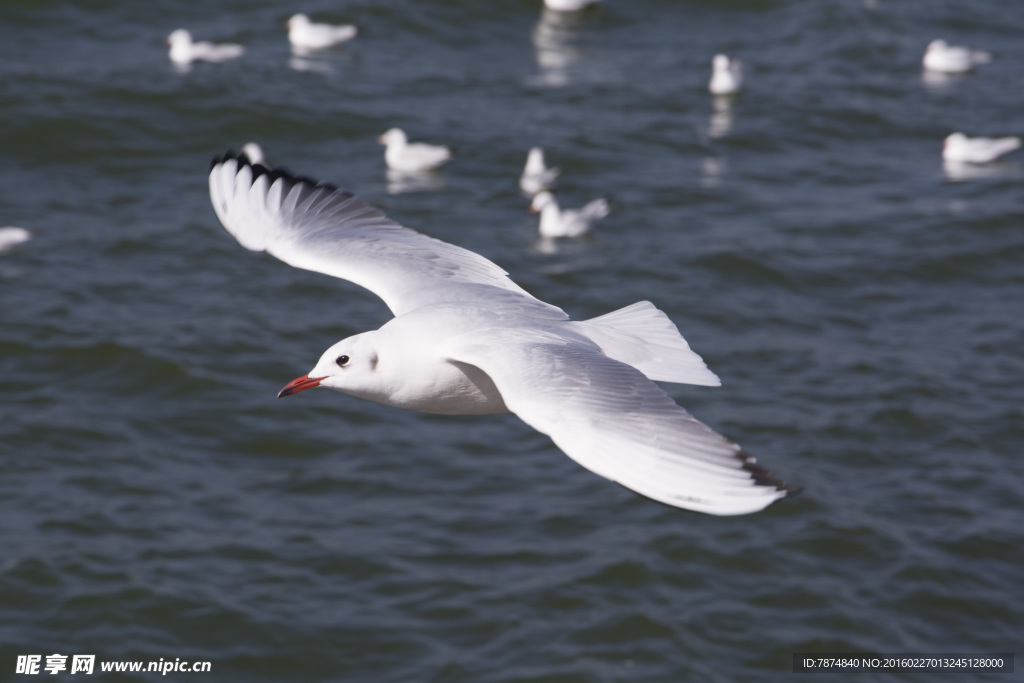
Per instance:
(536,175)
(952,59)
(11,236)
(184,51)
(411,157)
(568,5)
(306,35)
(465,339)
(726,76)
(255,153)
(957,147)
(555,222)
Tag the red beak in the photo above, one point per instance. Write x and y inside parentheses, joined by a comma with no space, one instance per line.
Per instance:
(300,384)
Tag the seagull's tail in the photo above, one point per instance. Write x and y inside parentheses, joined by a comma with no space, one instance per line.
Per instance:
(642,336)
(1006,145)
(594,210)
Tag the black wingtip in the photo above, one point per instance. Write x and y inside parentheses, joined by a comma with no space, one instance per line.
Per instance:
(272,173)
(762,477)
(240,157)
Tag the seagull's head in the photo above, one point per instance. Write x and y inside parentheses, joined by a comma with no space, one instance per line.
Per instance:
(937,44)
(394,136)
(179,37)
(349,366)
(297,21)
(720,63)
(541,200)
(954,139)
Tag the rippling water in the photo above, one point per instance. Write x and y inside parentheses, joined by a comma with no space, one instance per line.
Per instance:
(862,306)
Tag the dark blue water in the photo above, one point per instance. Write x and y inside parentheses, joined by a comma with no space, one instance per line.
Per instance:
(862,307)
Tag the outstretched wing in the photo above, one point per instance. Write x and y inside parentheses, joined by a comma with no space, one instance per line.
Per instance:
(610,418)
(315,226)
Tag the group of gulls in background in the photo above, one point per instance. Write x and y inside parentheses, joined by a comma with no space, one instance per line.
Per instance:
(409,164)
(303,35)
(960,154)
(536,181)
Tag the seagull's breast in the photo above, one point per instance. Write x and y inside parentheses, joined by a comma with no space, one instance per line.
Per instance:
(417,374)
(451,388)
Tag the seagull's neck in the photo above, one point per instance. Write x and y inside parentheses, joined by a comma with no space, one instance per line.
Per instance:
(410,374)
(551,211)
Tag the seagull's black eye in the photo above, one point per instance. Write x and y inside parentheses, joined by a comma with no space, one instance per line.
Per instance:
(342,361)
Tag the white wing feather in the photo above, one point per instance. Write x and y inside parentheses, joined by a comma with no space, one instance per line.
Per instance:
(610,418)
(318,227)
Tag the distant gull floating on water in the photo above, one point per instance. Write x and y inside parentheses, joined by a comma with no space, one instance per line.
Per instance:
(11,236)
(958,147)
(184,51)
(306,35)
(402,155)
(568,5)
(556,222)
(952,59)
(465,339)
(255,153)
(726,76)
(536,175)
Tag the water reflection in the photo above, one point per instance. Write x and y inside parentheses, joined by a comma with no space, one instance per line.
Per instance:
(721,120)
(938,80)
(713,169)
(554,39)
(301,60)
(958,171)
(400,182)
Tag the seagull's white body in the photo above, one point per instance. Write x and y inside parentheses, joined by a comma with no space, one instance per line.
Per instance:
(411,157)
(11,236)
(957,147)
(557,222)
(568,5)
(306,35)
(184,51)
(536,175)
(726,76)
(952,59)
(465,339)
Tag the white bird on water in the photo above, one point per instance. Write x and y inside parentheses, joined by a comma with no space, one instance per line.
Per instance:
(959,148)
(465,339)
(255,153)
(11,236)
(536,175)
(557,222)
(303,34)
(726,76)
(952,59)
(568,5)
(184,51)
(411,157)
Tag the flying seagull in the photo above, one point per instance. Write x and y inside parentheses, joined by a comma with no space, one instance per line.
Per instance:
(465,339)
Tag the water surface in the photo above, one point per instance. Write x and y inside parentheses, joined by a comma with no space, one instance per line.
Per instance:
(861,307)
